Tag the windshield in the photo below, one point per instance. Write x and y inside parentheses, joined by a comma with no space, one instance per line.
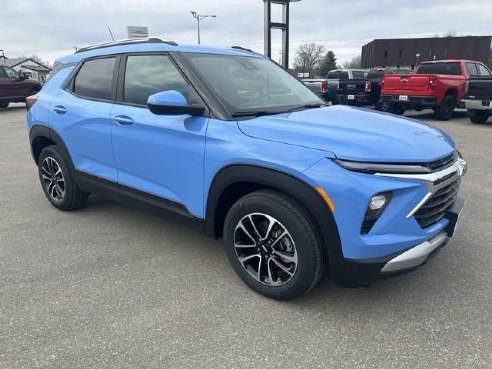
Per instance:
(251,84)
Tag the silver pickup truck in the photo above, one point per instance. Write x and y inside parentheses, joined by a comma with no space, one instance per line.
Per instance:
(327,88)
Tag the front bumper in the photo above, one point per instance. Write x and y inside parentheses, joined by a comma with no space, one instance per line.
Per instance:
(353,273)
(412,101)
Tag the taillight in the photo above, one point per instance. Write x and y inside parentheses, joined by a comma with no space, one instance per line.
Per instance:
(324,86)
(30,100)
(432,82)
(368,86)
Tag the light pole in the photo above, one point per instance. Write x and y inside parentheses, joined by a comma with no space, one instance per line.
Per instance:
(283,26)
(417,56)
(200,17)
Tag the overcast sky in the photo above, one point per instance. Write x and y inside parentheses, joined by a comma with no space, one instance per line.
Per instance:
(51,28)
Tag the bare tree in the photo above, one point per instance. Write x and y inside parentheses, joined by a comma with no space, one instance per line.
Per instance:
(309,57)
(355,62)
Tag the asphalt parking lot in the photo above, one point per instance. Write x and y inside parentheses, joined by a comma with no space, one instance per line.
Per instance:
(114,287)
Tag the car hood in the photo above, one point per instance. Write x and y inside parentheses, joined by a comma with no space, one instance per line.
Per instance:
(354,134)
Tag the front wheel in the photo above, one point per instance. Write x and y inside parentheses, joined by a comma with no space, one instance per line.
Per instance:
(479,116)
(57,181)
(273,245)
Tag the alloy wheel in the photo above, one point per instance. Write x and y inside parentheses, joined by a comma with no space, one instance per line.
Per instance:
(53,179)
(265,249)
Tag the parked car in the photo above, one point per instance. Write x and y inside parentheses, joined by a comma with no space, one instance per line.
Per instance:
(232,142)
(327,88)
(15,87)
(439,85)
(478,100)
(365,91)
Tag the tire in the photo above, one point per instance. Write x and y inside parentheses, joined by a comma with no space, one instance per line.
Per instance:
(446,109)
(382,106)
(397,109)
(66,195)
(479,116)
(288,258)
(4,104)
(34,91)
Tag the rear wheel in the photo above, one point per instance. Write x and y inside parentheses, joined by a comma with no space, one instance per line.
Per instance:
(397,109)
(382,106)
(446,109)
(57,181)
(273,245)
(479,116)
(4,104)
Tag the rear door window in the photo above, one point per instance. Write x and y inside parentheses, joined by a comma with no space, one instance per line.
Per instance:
(471,68)
(94,79)
(146,75)
(2,73)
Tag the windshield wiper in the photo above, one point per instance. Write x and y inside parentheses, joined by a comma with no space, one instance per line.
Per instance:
(258,113)
(306,106)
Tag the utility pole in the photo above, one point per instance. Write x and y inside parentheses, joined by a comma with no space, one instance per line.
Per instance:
(199,18)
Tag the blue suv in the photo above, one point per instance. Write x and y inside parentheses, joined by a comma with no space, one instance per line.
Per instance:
(231,141)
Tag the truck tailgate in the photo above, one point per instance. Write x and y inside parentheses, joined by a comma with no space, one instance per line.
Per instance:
(352,86)
(480,88)
(313,84)
(416,83)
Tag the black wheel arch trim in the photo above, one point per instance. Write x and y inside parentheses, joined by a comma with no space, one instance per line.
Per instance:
(38,131)
(281,181)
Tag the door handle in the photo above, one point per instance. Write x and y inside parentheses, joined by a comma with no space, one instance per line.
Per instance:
(123,120)
(58,109)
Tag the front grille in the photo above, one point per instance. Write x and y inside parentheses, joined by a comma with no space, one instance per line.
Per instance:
(435,208)
(443,163)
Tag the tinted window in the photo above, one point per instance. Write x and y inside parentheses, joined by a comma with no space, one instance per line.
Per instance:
(337,74)
(440,68)
(377,74)
(11,73)
(146,75)
(482,70)
(358,74)
(95,79)
(2,73)
(472,69)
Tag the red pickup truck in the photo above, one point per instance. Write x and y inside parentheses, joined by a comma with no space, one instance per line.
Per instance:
(439,84)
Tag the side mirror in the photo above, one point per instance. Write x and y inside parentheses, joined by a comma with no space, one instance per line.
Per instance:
(22,77)
(172,102)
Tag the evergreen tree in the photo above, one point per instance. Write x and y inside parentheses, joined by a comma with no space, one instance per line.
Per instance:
(328,63)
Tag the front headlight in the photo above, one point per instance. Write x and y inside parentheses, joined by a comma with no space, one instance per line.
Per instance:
(364,167)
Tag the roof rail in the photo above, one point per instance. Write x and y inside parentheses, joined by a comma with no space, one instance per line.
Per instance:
(242,48)
(126,42)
